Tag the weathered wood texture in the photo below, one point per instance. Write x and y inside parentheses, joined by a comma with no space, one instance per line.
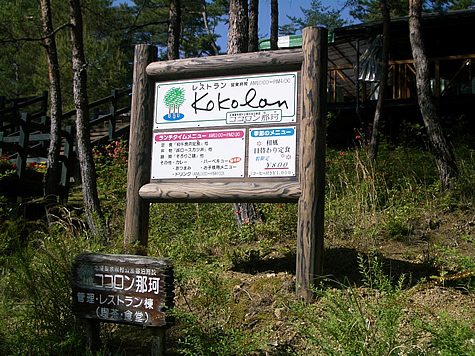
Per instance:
(117,277)
(140,148)
(225,192)
(312,160)
(158,342)
(236,64)
(92,330)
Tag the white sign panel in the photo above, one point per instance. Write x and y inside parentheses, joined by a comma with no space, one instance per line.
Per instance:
(259,99)
(198,154)
(272,152)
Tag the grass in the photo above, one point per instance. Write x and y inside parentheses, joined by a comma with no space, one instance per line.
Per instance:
(395,248)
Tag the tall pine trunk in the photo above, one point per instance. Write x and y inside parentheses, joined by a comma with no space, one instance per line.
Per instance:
(53,171)
(174,27)
(253,26)
(439,144)
(204,15)
(274,24)
(94,216)
(244,213)
(383,83)
(238,27)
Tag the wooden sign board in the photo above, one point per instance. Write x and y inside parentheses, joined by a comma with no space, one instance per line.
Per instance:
(224,128)
(179,105)
(125,289)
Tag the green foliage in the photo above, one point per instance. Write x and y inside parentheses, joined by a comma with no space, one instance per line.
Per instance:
(451,337)
(191,231)
(396,229)
(35,312)
(15,236)
(216,314)
(378,197)
(111,167)
(208,325)
(111,170)
(196,42)
(450,259)
(316,15)
(352,323)
(174,96)
(369,10)
(373,276)
(23,60)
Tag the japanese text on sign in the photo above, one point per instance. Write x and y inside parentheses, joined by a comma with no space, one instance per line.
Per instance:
(203,154)
(119,292)
(272,152)
(226,101)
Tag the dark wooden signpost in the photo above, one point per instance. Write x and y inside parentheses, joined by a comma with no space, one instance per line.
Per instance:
(126,289)
(163,166)
(222,129)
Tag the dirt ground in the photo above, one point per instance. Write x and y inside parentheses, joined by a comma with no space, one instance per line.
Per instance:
(262,287)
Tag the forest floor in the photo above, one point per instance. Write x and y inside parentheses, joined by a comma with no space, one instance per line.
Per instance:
(264,287)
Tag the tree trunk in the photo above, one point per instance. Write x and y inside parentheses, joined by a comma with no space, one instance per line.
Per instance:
(53,171)
(383,83)
(253,26)
(94,217)
(208,31)
(238,27)
(274,24)
(174,25)
(244,213)
(439,144)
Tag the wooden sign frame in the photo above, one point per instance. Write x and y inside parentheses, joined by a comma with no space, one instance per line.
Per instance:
(307,188)
(124,289)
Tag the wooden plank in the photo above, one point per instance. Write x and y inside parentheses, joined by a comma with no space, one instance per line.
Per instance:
(124,289)
(221,192)
(312,161)
(23,145)
(227,65)
(140,149)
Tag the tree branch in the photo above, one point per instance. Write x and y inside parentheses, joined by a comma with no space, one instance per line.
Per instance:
(32,39)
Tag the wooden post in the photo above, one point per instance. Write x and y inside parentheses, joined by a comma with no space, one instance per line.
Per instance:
(93,339)
(437,79)
(23,145)
(140,150)
(158,342)
(113,112)
(68,162)
(312,160)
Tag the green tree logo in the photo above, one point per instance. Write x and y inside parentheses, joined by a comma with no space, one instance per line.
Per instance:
(173,98)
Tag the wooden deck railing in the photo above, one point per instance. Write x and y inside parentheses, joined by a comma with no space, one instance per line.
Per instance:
(25,134)
(451,76)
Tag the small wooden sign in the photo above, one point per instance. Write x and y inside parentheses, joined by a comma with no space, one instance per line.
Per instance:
(127,289)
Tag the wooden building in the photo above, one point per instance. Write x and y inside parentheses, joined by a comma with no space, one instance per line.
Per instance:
(451,52)
(353,84)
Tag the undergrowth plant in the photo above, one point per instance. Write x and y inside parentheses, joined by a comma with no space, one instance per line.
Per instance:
(376,197)
(35,313)
(189,232)
(207,323)
(366,202)
(352,321)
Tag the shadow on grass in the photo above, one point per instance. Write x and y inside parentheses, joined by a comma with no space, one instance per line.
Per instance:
(341,265)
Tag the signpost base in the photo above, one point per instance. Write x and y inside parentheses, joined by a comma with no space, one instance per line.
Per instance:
(93,340)
(158,342)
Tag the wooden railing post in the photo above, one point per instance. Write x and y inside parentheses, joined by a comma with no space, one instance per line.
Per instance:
(68,163)
(23,145)
(312,160)
(140,150)
(113,112)
(44,103)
